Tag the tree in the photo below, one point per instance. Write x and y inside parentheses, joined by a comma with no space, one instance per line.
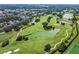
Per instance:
(44,23)
(5,43)
(57,21)
(49,27)
(32,23)
(59,15)
(49,18)
(19,38)
(62,47)
(71,25)
(54,13)
(45,26)
(47,47)
(37,20)
(17,28)
(66,41)
(53,28)
(25,38)
(62,23)
(25,22)
(7,28)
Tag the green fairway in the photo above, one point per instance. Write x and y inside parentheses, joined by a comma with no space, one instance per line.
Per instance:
(74,50)
(38,37)
(74,47)
(36,42)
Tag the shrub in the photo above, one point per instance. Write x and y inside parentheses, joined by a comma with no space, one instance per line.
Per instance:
(54,13)
(47,48)
(25,22)
(32,23)
(71,25)
(7,28)
(47,27)
(62,47)
(66,41)
(49,18)
(37,20)
(5,43)
(19,38)
(59,15)
(62,23)
(53,28)
(57,21)
(25,38)
(17,28)
(44,23)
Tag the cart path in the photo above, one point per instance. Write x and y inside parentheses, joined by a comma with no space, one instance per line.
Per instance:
(58,42)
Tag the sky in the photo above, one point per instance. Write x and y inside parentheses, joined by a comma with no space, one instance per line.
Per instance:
(39,1)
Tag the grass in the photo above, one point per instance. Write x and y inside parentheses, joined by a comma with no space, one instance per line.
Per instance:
(74,49)
(7,36)
(38,38)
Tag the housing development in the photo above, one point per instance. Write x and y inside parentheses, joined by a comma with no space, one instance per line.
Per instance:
(39,29)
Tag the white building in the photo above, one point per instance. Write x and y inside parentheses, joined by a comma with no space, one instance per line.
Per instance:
(68,15)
